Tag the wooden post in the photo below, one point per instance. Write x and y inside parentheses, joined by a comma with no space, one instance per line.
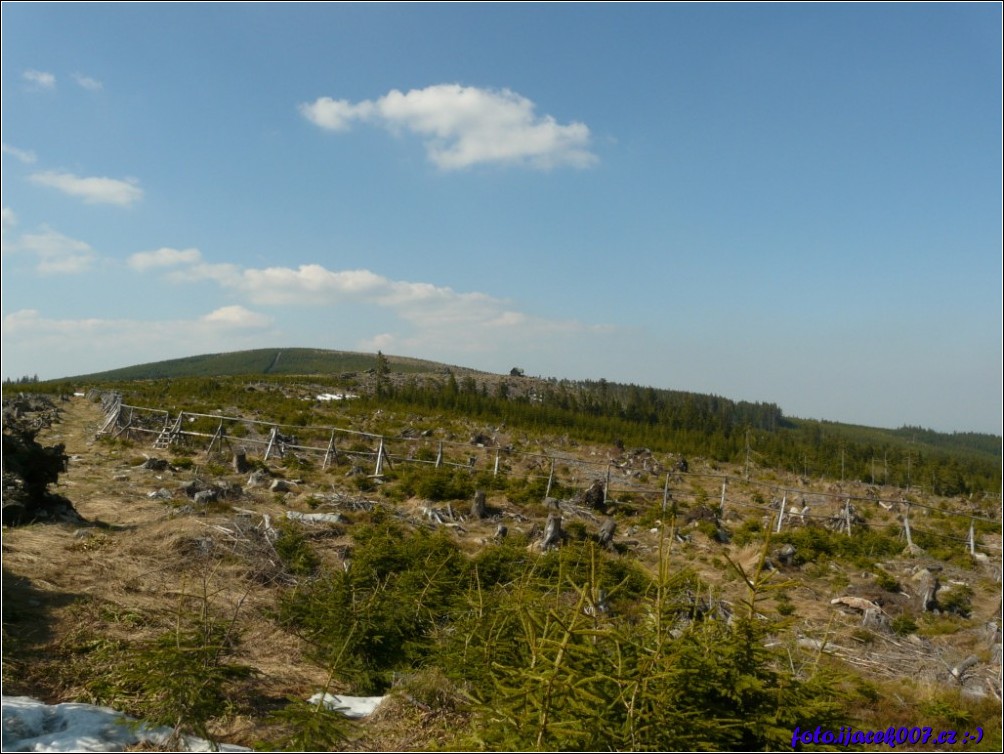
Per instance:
(271,443)
(379,460)
(847,515)
(721,507)
(972,538)
(495,471)
(780,518)
(439,455)
(906,527)
(550,480)
(329,455)
(124,426)
(218,435)
(113,417)
(606,485)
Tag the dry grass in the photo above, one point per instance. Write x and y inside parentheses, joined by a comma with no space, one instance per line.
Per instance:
(142,562)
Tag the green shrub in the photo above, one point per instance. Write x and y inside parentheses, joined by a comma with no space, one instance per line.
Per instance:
(886,581)
(302,726)
(181,678)
(377,617)
(958,600)
(295,551)
(902,625)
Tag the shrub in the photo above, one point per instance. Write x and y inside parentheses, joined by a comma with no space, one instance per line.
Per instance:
(958,600)
(886,581)
(902,625)
(295,551)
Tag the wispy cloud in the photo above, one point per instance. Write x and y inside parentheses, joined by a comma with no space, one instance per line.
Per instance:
(91,190)
(24,155)
(88,83)
(56,254)
(92,344)
(464,126)
(163,257)
(429,315)
(39,79)
(9,219)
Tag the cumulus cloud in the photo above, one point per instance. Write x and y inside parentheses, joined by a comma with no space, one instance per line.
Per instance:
(429,315)
(39,79)
(237,317)
(163,257)
(57,254)
(24,155)
(464,126)
(91,190)
(88,83)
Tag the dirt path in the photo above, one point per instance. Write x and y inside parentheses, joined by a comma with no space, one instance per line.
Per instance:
(130,570)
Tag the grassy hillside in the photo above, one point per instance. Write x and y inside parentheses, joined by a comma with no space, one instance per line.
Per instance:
(598,411)
(276,361)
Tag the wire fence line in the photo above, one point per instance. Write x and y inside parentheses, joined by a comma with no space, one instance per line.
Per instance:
(623,485)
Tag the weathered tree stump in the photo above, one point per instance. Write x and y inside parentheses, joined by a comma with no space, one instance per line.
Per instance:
(595,496)
(605,536)
(479,508)
(241,465)
(553,533)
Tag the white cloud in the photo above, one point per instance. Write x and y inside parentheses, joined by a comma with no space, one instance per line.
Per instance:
(62,347)
(39,79)
(24,155)
(88,83)
(163,257)
(382,342)
(465,126)
(237,317)
(57,254)
(91,190)
(335,115)
(430,316)
(9,218)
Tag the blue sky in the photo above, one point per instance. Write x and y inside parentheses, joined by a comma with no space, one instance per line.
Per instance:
(793,204)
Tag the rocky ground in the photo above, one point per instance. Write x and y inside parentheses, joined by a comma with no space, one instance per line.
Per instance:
(148,547)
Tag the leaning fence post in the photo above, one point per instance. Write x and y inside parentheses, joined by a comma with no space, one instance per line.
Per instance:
(495,471)
(271,442)
(379,460)
(218,435)
(439,455)
(847,514)
(550,480)
(329,455)
(906,527)
(780,518)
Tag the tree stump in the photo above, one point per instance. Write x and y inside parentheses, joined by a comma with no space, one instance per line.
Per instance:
(479,508)
(605,536)
(595,497)
(241,465)
(553,533)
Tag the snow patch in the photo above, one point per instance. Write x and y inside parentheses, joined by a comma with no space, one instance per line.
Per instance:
(350,706)
(30,725)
